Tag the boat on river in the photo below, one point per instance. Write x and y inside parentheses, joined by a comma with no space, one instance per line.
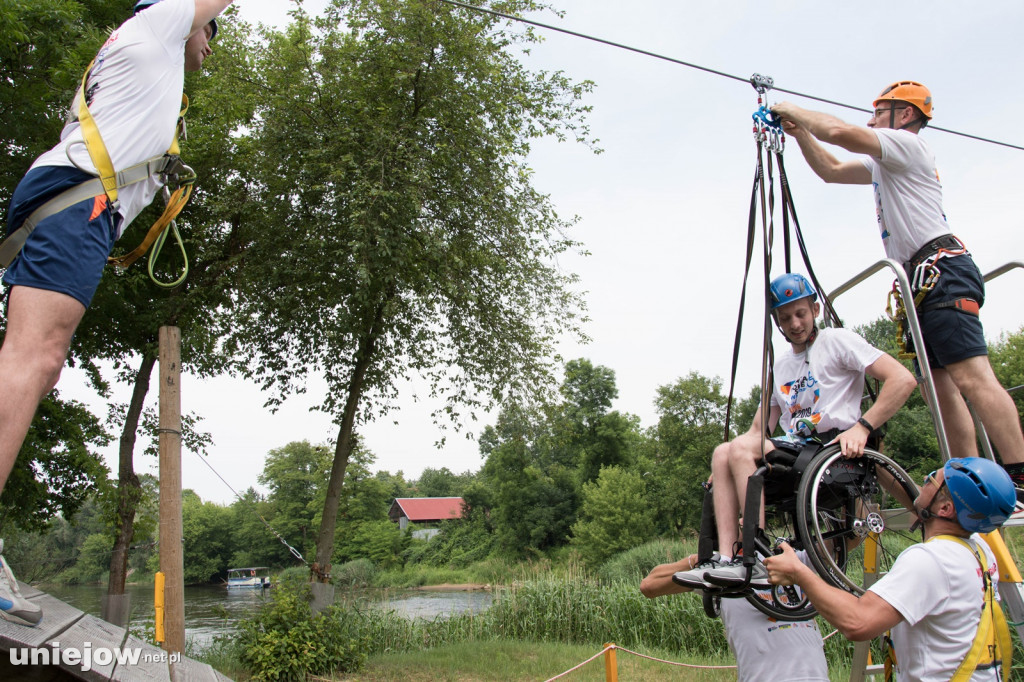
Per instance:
(251,578)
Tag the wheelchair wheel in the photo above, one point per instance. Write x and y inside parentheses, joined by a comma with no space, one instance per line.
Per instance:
(712,605)
(786,603)
(854,515)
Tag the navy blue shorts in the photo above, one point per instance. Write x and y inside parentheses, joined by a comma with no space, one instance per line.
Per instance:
(68,251)
(951,335)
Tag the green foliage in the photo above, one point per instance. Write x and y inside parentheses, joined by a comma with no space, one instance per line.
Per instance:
(284,641)
(634,564)
(357,573)
(615,515)
(206,536)
(58,466)
(459,544)
(93,560)
(1007,358)
(691,418)
(442,483)
(379,541)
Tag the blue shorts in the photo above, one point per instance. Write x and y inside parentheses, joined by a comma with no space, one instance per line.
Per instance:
(68,251)
(951,335)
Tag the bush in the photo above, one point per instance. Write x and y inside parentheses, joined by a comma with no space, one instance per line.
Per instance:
(358,573)
(634,564)
(285,641)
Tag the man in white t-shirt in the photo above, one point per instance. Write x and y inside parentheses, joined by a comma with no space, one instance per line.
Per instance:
(765,648)
(133,93)
(816,394)
(908,202)
(935,628)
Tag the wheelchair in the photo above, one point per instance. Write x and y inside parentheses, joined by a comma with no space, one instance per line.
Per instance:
(852,517)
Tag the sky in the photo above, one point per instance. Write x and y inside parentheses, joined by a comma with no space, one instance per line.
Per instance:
(663,209)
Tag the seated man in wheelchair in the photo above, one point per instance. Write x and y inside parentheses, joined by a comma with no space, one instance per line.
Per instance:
(816,396)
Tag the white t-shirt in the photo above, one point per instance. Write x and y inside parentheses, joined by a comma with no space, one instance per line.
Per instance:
(908,194)
(134,95)
(937,588)
(769,649)
(825,383)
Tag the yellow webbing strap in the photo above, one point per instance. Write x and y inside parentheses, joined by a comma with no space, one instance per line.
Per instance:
(101,159)
(991,617)
(94,144)
(174,205)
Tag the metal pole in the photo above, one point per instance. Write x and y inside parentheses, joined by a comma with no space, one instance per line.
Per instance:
(172,563)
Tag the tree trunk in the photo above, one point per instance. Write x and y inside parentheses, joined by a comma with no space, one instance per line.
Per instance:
(321,569)
(129,491)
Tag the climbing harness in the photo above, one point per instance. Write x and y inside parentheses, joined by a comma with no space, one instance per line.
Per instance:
(992,645)
(171,171)
(924,272)
(769,136)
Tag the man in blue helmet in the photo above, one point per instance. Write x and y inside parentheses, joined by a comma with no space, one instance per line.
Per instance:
(816,394)
(935,631)
(899,165)
(128,109)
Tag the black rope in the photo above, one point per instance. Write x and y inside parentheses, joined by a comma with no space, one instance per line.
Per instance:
(706,69)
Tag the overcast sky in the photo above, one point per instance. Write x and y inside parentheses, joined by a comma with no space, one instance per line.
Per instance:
(663,210)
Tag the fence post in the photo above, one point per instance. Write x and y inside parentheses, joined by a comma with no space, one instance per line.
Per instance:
(611,668)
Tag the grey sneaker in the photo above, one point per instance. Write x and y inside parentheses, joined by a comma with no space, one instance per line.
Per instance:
(694,578)
(735,573)
(13,606)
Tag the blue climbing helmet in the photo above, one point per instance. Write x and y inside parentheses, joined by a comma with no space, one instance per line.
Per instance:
(790,287)
(983,494)
(143,4)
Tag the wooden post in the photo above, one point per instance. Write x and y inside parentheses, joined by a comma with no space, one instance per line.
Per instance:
(171,557)
(611,666)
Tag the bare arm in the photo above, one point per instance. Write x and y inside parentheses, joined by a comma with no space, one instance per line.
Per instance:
(857,618)
(658,582)
(810,126)
(897,385)
(757,428)
(207,10)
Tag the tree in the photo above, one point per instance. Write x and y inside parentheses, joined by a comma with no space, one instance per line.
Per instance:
(442,482)
(615,516)
(57,468)
(295,476)
(407,237)
(691,415)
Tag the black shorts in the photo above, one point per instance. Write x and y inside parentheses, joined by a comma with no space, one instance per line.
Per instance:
(951,335)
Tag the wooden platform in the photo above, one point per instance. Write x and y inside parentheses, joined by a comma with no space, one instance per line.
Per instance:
(65,628)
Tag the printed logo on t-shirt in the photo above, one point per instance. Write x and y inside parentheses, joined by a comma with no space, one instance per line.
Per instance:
(802,398)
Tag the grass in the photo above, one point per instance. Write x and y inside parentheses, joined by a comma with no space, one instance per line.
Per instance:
(546,620)
(498,661)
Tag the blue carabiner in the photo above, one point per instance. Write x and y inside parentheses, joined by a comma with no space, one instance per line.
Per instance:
(765,116)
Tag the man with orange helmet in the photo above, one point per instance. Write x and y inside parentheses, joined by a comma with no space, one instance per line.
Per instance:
(908,200)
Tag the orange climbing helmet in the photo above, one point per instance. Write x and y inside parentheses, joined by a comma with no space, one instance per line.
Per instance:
(908,91)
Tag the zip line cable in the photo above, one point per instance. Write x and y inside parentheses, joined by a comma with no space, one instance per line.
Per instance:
(673,60)
(284,542)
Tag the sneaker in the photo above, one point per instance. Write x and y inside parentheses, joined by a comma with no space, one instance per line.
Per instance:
(13,606)
(694,578)
(735,573)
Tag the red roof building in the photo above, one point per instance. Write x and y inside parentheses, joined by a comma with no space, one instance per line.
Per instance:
(406,510)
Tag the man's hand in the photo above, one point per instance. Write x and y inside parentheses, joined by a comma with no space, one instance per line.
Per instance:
(785,568)
(852,441)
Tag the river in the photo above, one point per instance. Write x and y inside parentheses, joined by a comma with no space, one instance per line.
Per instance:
(212,610)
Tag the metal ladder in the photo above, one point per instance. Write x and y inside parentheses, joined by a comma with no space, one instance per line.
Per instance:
(1011,586)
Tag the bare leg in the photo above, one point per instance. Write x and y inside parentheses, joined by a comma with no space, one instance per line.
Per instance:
(39,328)
(732,464)
(955,416)
(996,409)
